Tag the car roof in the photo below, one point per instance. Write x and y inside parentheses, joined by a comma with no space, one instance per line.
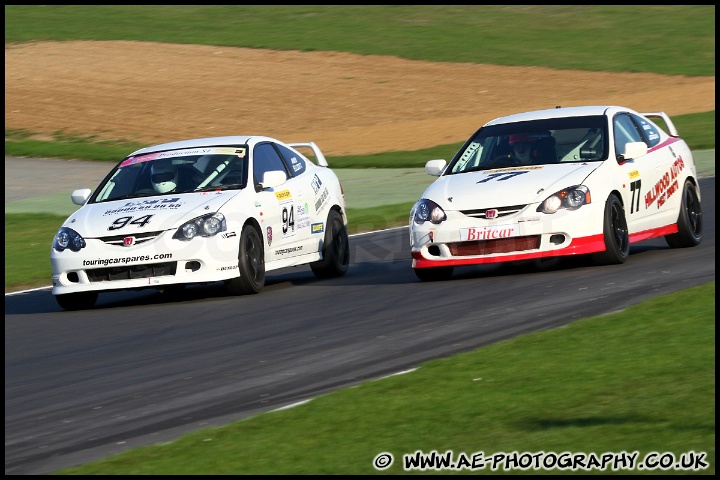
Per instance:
(560,112)
(204,142)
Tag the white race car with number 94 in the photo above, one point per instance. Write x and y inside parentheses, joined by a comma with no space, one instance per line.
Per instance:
(204,210)
(558,182)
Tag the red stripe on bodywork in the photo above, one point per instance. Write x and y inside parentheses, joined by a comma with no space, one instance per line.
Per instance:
(579,246)
(653,233)
(667,142)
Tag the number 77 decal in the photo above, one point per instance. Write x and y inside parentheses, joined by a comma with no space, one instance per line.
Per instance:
(635,203)
(500,176)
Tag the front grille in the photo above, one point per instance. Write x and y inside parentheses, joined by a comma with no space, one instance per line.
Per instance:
(109,274)
(502,211)
(488,247)
(118,240)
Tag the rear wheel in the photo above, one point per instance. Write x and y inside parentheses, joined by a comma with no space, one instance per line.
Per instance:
(435,274)
(689,220)
(615,233)
(251,264)
(77,301)
(335,249)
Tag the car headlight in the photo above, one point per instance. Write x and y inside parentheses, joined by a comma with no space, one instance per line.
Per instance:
(204,226)
(427,211)
(569,198)
(68,239)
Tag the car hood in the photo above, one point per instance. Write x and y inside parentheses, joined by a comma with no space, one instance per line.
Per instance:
(506,186)
(162,213)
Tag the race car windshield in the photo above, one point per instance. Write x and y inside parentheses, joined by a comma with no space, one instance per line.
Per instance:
(538,142)
(173,172)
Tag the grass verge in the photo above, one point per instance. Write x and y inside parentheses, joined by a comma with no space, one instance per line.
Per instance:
(665,39)
(697,129)
(575,389)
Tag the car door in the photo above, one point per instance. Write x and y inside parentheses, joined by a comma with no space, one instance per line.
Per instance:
(278,205)
(308,227)
(664,195)
(642,174)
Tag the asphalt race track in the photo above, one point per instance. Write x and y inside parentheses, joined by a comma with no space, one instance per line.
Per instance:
(145,368)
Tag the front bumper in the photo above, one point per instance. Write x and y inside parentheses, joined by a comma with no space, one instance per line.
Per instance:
(524,236)
(162,261)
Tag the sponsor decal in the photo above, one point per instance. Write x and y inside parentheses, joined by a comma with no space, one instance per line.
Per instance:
(317,227)
(666,186)
(240,152)
(229,267)
(144,205)
(283,195)
(258,204)
(303,215)
(633,174)
(302,209)
(514,169)
(316,184)
(124,260)
(528,219)
(229,234)
(489,233)
(269,236)
(321,200)
(285,251)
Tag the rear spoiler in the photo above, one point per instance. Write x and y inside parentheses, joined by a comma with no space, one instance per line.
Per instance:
(316,151)
(663,116)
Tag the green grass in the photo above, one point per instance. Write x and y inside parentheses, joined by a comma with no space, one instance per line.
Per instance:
(674,40)
(28,239)
(552,391)
(697,129)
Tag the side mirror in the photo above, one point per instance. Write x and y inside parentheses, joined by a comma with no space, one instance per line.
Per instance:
(273,179)
(633,150)
(435,167)
(79,197)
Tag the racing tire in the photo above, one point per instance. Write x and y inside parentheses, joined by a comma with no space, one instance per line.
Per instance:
(615,234)
(689,222)
(436,274)
(335,249)
(251,264)
(77,301)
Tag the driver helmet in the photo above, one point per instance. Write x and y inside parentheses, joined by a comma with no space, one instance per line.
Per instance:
(164,176)
(521,146)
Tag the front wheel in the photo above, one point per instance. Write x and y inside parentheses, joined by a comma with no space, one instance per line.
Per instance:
(689,220)
(251,264)
(77,301)
(615,233)
(335,249)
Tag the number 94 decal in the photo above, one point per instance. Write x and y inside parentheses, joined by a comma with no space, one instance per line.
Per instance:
(123,221)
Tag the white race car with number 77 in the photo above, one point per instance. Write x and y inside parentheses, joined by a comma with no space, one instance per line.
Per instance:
(557,182)
(195,211)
